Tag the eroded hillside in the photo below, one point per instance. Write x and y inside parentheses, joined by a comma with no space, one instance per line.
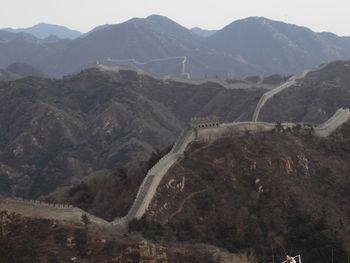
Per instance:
(275,192)
(36,240)
(58,132)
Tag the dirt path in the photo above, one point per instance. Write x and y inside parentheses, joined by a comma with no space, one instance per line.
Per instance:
(180,208)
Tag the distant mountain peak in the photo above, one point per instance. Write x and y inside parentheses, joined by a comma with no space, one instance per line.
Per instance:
(203,32)
(44,30)
(24,70)
(157,20)
(253,20)
(250,46)
(156,17)
(42,24)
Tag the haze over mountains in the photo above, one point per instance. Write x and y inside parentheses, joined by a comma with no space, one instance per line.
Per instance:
(252,46)
(92,137)
(203,32)
(25,48)
(19,70)
(44,30)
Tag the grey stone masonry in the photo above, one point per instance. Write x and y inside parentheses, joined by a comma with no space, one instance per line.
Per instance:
(39,209)
(328,127)
(205,122)
(290,83)
(214,130)
(153,178)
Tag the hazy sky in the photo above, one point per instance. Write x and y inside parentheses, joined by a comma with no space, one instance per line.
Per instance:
(83,15)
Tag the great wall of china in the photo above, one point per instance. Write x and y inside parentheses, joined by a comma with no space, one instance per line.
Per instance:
(268,95)
(176,79)
(202,129)
(39,209)
(154,176)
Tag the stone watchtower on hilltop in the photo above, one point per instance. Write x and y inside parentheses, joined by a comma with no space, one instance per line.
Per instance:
(205,122)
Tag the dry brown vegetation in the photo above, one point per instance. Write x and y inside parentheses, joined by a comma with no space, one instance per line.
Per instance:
(25,240)
(275,191)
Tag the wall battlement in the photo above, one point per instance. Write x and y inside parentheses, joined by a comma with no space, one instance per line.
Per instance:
(327,128)
(229,129)
(39,203)
(38,209)
(208,133)
(153,178)
(147,190)
(204,122)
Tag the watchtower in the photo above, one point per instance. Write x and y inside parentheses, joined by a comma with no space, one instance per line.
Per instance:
(205,122)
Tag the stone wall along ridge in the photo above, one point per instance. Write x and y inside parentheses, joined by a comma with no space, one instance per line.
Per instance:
(327,128)
(147,190)
(154,176)
(39,209)
(291,82)
(156,173)
(266,96)
(229,129)
(170,78)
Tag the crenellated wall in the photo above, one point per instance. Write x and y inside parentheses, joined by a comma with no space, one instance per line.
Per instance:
(231,129)
(155,175)
(38,209)
(327,128)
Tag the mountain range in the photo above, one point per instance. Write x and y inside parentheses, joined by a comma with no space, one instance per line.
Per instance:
(99,120)
(251,46)
(19,70)
(89,138)
(203,32)
(44,30)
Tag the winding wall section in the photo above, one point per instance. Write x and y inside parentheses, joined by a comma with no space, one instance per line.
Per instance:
(268,95)
(327,128)
(155,175)
(229,129)
(169,78)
